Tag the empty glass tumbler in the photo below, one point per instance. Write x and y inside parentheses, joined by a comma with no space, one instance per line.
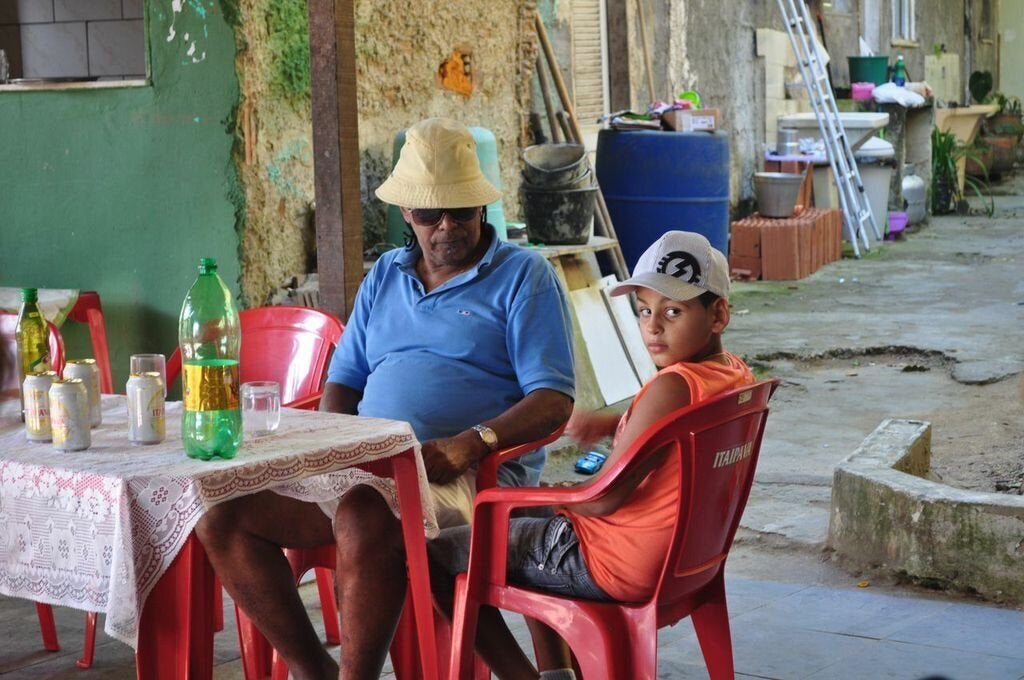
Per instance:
(150,363)
(261,407)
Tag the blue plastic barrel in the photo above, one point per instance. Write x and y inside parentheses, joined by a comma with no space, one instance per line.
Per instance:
(487,154)
(655,182)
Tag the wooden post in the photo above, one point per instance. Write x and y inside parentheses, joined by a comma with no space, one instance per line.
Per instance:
(339,216)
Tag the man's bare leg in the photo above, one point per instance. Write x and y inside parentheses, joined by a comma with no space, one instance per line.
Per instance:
(371,581)
(243,540)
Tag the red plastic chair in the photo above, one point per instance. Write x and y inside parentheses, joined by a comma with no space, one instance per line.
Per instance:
(619,640)
(292,346)
(260,660)
(88,310)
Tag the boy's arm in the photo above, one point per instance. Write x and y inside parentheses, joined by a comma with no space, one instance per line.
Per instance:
(666,393)
(586,427)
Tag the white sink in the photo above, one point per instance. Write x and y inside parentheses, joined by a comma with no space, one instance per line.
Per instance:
(859,127)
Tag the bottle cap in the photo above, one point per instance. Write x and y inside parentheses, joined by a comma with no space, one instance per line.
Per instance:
(29,294)
(207,265)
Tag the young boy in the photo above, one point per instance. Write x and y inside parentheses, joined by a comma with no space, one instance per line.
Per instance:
(613,548)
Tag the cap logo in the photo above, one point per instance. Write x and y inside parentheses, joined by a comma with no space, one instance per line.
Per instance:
(681,265)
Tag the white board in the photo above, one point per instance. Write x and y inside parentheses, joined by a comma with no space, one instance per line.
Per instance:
(629,331)
(614,372)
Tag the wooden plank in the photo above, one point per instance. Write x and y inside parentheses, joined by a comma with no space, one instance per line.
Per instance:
(629,331)
(575,274)
(588,395)
(339,217)
(615,376)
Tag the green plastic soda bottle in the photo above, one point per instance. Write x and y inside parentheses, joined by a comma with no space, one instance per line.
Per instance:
(210,338)
(32,339)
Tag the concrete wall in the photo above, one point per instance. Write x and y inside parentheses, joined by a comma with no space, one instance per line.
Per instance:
(123,190)
(1011,45)
(886,515)
(399,47)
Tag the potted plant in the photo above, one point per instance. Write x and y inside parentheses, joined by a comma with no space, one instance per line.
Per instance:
(946,194)
(944,178)
(1003,131)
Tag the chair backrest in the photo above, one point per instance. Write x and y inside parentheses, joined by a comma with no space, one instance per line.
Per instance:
(290,345)
(717,443)
(9,348)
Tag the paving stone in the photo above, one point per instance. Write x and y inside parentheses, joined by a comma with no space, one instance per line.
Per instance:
(900,661)
(970,628)
(845,611)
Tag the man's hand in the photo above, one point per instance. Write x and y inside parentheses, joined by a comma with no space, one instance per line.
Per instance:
(446,459)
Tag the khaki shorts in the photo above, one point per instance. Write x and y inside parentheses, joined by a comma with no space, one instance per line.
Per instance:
(453,502)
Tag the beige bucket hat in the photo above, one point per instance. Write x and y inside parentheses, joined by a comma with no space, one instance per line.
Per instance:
(438,168)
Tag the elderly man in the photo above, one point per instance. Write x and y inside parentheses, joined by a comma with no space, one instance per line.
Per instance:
(465,337)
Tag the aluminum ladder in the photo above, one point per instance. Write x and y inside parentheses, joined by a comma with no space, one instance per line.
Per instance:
(852,198)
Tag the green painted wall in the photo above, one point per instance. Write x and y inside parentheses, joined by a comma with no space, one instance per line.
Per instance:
(123,190)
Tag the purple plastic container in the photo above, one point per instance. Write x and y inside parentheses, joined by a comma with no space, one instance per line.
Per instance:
(897,222)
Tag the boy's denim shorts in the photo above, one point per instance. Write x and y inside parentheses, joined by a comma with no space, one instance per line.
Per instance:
(543,553)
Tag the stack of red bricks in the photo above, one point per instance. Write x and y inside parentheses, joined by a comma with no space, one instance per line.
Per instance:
(784,249)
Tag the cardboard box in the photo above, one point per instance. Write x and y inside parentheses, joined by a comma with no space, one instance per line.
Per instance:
(700,120)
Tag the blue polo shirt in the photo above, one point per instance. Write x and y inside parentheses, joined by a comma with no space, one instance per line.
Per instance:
(463,353)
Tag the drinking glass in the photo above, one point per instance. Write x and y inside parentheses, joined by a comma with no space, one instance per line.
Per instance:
(150,363)
(261,407)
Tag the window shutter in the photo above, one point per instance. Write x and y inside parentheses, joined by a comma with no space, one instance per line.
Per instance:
(589,74)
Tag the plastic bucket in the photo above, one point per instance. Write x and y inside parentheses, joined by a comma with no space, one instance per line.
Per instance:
(869,69)
(897,223)
(777,192)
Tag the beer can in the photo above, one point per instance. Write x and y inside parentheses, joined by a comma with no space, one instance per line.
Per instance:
(89,372)
(69,415)
(146,422)
(36,389)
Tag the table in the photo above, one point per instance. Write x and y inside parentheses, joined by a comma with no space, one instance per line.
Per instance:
(103,529)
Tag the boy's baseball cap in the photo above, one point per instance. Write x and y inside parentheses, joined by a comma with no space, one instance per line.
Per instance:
(680,265)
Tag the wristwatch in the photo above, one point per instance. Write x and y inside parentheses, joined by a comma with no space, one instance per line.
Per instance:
(488,436)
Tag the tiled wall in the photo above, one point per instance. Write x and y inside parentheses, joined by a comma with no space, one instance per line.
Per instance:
(73,38)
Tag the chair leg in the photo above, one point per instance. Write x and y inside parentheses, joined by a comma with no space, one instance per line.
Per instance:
(328,605)
(89,647)
(218,605)
(256,652)
(47,627)
(463,632)
(711,621)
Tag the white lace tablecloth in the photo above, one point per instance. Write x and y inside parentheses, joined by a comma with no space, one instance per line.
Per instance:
(96,529)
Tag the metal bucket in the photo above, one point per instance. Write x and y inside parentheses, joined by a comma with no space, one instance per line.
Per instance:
(554,165)
(561,217)
(777,192)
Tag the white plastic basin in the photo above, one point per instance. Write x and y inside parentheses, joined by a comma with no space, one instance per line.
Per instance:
(859,127)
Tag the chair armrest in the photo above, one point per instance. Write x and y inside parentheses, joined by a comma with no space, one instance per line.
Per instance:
(487,471)
(310,403)
(488,549)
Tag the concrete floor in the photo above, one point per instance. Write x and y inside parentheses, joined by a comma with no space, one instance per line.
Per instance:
(949,297)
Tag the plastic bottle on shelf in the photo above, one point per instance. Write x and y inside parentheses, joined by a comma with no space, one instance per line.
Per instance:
(210,338)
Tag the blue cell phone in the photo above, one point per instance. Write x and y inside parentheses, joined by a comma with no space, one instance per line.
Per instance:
(590,462)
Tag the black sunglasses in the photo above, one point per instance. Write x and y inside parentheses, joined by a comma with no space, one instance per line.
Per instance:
(431,217)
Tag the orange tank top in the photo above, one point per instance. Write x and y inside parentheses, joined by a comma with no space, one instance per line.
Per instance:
(625,550)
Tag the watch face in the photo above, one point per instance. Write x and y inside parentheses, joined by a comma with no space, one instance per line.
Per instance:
(487,434)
